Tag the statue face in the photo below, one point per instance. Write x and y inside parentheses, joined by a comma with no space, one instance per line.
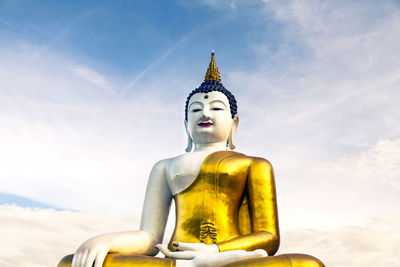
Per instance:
(209,117)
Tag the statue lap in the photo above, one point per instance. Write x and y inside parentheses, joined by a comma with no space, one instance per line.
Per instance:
(283,260)
(118,260)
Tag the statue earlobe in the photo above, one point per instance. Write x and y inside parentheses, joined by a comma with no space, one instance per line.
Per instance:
(189,141)
(231,137)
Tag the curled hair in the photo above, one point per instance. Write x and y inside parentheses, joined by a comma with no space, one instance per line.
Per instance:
(210,86)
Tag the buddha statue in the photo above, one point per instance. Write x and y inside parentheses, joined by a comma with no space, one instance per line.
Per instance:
(226,210)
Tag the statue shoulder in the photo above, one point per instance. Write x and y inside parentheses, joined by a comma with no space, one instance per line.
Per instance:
(165,165)
(160,165)
(258,162)
(260,168)
(253,160)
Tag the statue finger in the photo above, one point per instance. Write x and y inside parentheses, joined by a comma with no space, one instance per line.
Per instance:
(164,250)
(101,256)
(223,258)
(74,259)
(90,259)
(176,254)
(187,246)
(80,260)
(260,252)
(184,255)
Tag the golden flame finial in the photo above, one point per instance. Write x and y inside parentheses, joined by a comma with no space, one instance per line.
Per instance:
(212,71)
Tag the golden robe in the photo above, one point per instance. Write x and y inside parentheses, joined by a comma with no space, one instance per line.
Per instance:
(231,203)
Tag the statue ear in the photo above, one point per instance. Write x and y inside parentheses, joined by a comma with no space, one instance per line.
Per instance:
(189,141)
(231,137)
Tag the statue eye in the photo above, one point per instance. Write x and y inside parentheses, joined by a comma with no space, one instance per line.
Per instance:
(217,109)
(196,110)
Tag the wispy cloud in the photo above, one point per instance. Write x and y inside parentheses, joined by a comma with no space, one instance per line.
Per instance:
(160,59)
(74,22)
(92,76)
(232,4)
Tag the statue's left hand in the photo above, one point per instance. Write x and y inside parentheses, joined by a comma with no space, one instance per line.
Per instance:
(198,254)
(188,250)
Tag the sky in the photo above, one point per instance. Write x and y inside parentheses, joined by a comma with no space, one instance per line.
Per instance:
(92,95)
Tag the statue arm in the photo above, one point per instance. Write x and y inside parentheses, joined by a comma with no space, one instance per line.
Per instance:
(154,217)
(262,210)
(156,205)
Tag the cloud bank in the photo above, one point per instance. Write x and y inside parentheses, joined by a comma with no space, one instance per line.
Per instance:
(41,237)
(375,244)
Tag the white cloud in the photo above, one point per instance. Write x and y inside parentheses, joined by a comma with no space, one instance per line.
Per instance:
(92,76)
(221,4)
(349,190)
(376,244)
(381,163)
(39,237)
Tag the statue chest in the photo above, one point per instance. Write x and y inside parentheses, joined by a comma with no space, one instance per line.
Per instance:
(182,171)
(226,174)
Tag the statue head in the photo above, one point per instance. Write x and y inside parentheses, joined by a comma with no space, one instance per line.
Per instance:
(211,112)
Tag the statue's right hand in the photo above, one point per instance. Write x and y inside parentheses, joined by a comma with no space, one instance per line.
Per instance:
(93,250)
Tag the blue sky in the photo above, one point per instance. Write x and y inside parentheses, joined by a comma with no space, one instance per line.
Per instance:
(92,95)
(126,36)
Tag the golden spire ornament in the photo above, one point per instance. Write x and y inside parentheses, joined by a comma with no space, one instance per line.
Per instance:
(212,71)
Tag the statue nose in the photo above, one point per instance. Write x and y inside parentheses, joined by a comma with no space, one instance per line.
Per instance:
(205,115)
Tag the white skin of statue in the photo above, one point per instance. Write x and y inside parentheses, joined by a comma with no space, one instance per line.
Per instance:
(209,127)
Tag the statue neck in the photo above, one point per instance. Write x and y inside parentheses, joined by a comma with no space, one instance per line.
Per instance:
(210,146)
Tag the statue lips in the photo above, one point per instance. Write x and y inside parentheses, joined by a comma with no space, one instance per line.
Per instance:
(205,124)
